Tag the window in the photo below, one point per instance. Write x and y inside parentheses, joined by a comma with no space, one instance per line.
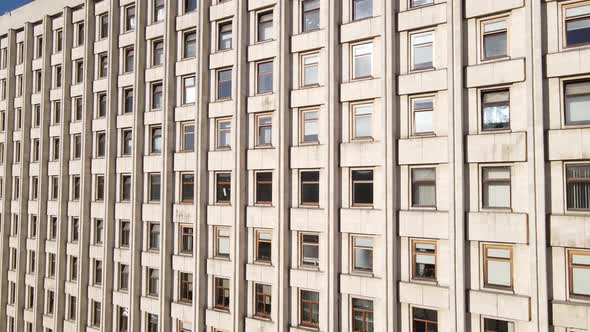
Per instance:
(497,265)
(310,188)
(103,28)
(127,100)
(222,242)
(128,60)
(190,45)
(157,53)
(78,108)
(56,112)
(74,269)
(223,133)
(79,33)
(187,134)
(310,250)
(362,187)
(76,188)
(102,105)
(223,188)
(362,315)
(222,293)
(79,72)
(187,188)
(52,228)
(310,72)
(154,189)
(577,102)
(57,77)
(50,302)
(123,325)
(420,3)
(18,118)
(20,53)
(224,84)
(127,142)
(97,272)
(125,188)
(19,85)
(33,227)
(495,107)
(159,11)
(422,116)
(190,6)
(263,187)
(309,308)
(188,90)
(3,57)
(125,233)
(186,287)
(35,150)
(424,187)
(264,77)
(424,260)
(99,187)
(154,236)
(38,81)
(263,130)
(362,9)
(494,39)
(577,25)
(186,235)
(74,230)
(264,26)
(155,140)
(496,325)
(422,50)
(424,320)
(129,18)
(362,60)
(263,246)
(58,40)
(77,146)
(309,126)
(311,15)
(72,308)
(579,272)
(157,99)
(362,121)
(224,41)
(51,265)
(263,295)
(496,187)
(152,282)
(578,187)
(100,144)
(38,47)
(362,254)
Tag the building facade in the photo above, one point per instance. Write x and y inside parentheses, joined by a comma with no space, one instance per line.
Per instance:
(274,165)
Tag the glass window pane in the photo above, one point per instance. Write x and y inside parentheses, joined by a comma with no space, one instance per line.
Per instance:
(423,56)
(362,9)
(423,122)
(497,195)
(578,31)
(496,117)
(581,281)
(499,273)
(495,45)
(581,259)
(577,109)
(576,11)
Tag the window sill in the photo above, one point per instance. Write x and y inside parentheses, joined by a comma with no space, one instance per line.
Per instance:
(261,42)
(421,70)
(494,131)
(422,135)
(418,7)
(263,263)
(218,51)
(352,20)
(499,289)
(424,281)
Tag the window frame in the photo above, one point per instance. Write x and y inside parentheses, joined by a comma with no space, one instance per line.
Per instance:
(354,182)
(354,57)
(303,121)
(185,41)
(221,233)
(563,87)
(483,105)
(486,182)
(261,73)
(353,117)
(155,47)
(151,193)
(353,255)
(302,244)
(425,321)
(102,34)
(219,184)
(219,131)
(222,31)
(183,234)
(570,270)
(129,22)
(304,13)
(565,19)
(484,319)
(186,289)
(567,181)
(219,285)
(259,22)
(483,34)
(258,241)
(414,110)
(258,185)
(182,199)
(185,89)
(364,313)
(262,297)
(311,306)
(303,183)
(415,254)
(316,64)
(219,82)
(411,36)
(259,126)
(423,183)
(184,134)
(485,259)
